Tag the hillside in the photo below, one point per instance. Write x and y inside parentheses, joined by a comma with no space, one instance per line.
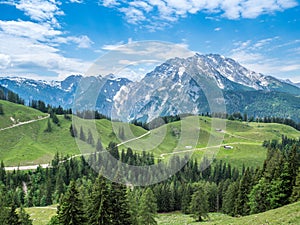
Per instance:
(16,113)
(28,144)
(289,214)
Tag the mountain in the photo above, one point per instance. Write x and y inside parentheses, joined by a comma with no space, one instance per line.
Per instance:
(201,84)
(198,84)
(62,92)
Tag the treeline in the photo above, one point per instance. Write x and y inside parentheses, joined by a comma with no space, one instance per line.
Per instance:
(10,96)
(236,116)
(198,188)
(239,117)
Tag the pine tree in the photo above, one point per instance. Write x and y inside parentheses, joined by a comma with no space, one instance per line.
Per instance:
(113,150)
(241,204)
(24,218)
(199,205)
(82,135)
(55,119)
(3,209)
(120,205)
(13,217)
(90,139)
(1,110)
(133,199)
(148,208)
(2,173)
(99,146)
(73,131)
(71,209)
(258,197)
(296,189)
(49,127)
(100,209)
(229,198)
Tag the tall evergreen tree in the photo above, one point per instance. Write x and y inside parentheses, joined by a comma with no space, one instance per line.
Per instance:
(120,205)
(229,198)
(241,204)
(2,173)
(99,146)
(199,205)
(148,208)
(112,148)
(100,209)
(24,218)
(1,110)
(82,135)
(49,127)
(296,189)
(13,218)
(71,208)
(3,209)
(90,139)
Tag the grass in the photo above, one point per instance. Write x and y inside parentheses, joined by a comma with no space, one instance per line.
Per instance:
(289,214)
(19,113)
(29,144)
(41,215)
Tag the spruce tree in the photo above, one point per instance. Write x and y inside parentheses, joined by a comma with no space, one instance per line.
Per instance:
(199,205)
(90,139)
(99,146)
(24,218)
(241,204)
(296,189)
(82,135)
(100,209)
(148,208)
(71,208)
(120,205)
(49,127)
(2,173)
(1,110)
(229,198)
(13,217)
(3,209)
(113,150)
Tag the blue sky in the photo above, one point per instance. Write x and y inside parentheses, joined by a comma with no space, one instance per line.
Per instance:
(49,39)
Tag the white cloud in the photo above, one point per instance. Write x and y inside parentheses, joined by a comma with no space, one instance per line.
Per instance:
(76,1)
(22,53)
(28,46)
(29,29)
(262,56)
(151,11)
(218,29)
(41,10)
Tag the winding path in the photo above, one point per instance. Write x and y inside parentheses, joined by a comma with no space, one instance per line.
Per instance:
(204,148)
(23,123)
(34,167)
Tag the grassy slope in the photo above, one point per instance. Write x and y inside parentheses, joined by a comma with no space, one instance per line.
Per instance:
(289,214)
(246,138)
(20,113)
(41,215)
(29,144)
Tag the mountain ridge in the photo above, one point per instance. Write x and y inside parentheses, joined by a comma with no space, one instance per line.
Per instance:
(155,93)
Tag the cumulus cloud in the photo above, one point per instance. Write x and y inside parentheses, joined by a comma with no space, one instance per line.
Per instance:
(41,10)
(171,10)
(262,56)
(35,43)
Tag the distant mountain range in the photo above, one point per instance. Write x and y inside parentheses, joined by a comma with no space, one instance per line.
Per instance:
(180,85)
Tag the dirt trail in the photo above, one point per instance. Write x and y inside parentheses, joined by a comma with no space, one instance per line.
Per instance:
(34,167)
(25,122)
